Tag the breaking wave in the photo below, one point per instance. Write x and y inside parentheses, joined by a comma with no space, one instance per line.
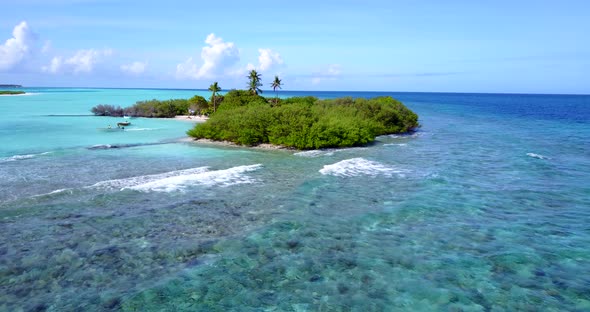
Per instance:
(173,180)
(357,167)
(314,153)
(395,144)
(22,157)
(538,156)
(178,180)
(326,152)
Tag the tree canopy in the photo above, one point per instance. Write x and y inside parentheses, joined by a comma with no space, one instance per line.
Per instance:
(254,83)
(305,122)
(214,87)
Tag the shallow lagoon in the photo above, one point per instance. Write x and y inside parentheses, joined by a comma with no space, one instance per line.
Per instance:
(485,208)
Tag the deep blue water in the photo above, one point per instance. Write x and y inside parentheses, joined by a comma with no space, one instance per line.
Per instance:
(485,208)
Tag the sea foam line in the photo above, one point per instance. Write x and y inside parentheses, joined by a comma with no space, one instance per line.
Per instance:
(359,166)
(538,156)
(227,177)
(395,144)
(174,180)
(142,129)
(326,152)
(22,157)
(314,153)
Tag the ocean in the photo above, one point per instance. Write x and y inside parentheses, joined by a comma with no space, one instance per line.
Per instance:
(485,208)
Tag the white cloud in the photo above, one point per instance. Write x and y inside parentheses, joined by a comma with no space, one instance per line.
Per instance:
(54,66)
(135,68)
(334,70)
(16,49)
(83,61)
(331,73)
(267,59)
(46,47)
(218,58)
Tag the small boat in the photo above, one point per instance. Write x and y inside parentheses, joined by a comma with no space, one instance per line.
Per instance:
(123,124)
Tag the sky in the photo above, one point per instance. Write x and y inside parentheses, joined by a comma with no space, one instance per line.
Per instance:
(396,45)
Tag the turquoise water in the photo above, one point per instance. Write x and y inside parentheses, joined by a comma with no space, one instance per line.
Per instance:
(486,208)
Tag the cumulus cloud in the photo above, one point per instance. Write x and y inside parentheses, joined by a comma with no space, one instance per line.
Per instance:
(218,57)
(267,60)
(331,73)
(83,61)
(135,68)
(46,47)
(54,66)
(16,49)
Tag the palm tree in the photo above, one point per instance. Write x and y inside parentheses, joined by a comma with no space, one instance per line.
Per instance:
(276,84)
(214,88)
(254,84)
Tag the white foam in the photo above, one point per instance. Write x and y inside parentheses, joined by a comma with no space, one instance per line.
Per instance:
(326,152)
(357,167)
(120,184)
(395,144)
(141,129)
(178,180)
(25,94)
(173,180)
(22,157)
(227,177)
(538,156)
(314,153)
(407,135)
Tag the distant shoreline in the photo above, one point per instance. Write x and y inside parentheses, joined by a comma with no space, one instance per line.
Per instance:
(6,92)
(187,118)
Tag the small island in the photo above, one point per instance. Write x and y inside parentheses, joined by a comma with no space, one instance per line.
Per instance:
(5,92)
(244,117)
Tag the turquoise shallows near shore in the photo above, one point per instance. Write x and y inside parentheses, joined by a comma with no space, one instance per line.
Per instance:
(485,208)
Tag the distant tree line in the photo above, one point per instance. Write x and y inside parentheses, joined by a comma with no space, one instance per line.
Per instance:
(197,105)
(156,108)
(2,92)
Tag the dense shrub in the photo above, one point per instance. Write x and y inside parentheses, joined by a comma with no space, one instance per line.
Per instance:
(198,105)
(305,122)
(107,110)
(151,108)
(236,98)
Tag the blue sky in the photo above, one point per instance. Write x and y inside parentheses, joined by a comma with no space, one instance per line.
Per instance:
(447,46)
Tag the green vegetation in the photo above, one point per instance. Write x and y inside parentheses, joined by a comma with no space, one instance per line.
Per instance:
(254,83)
(276,83)
(198,105)
(155,108)
(304,122)
(244,117)
(11,92)
(214,87)
(107,110)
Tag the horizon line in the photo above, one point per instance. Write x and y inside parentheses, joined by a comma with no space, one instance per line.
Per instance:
(283,91)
